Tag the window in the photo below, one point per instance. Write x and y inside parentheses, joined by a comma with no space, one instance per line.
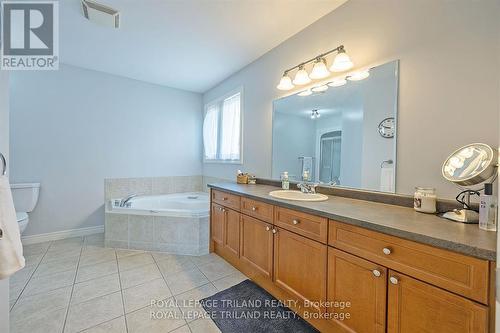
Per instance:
(222,129)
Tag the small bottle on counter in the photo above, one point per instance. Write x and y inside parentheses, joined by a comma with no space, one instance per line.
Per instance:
(488,209)
(424,200)
(285,183)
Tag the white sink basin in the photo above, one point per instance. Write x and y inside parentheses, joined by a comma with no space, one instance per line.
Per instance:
(297,195)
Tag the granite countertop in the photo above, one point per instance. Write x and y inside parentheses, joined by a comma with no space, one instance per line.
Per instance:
(389,219)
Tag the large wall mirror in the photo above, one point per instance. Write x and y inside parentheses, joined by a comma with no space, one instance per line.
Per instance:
(343,136)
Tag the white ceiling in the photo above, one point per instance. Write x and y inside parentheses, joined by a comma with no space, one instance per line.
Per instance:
(185,44)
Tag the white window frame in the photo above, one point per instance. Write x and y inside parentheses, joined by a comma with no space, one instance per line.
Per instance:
(219,101)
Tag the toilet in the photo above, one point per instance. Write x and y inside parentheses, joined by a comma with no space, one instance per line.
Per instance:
(25,199)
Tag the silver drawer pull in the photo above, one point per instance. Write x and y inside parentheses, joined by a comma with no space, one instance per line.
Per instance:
(386,250)
(254,208)
(275,231)
(394,280)
(267,228)
(224,199)
(376,273)
(295,222)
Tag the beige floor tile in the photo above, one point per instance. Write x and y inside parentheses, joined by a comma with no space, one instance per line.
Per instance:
(49,282)
(113,326)
(164,256)
(94,240)
(27,306)
(154,320)
(15,290)
(86,273)
(203,326)
(60,255)
(189,301)
(93,257)
(229,281)
(32,260)
(130,262)
(185,280)
(22,276)
(87,290)
(174,265)
(142,295)
(140,275)
(41,322)
(93,312)
(206,259)
(56,266)
(182,329)
(124,252)
(35,249)
(217,270)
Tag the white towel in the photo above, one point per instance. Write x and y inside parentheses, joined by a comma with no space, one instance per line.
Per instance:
(11,249)
(387,179)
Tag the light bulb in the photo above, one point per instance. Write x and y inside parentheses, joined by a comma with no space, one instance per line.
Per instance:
(320,88)
(305,93)
(285,83)
(358,76)
(319,69)
(342,62)
(456,162)
(337,82)
(301,77)
(318,114)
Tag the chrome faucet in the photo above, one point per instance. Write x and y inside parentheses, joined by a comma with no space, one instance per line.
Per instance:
(125,201)
(308,188)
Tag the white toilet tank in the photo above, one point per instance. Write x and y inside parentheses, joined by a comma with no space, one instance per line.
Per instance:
(25,196)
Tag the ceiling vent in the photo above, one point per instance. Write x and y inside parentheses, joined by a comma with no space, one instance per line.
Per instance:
(101,14)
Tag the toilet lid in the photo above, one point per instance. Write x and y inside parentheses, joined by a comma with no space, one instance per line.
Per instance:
(21,216)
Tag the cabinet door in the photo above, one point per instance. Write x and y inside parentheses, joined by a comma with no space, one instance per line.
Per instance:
(217,223)
(257,245)
(300,267)
(361,283)
(232,232)
(415,306)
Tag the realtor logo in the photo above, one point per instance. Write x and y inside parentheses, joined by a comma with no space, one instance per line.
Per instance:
(29,35)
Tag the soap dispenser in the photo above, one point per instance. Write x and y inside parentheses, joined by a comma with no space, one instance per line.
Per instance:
(488,207)
(285,183)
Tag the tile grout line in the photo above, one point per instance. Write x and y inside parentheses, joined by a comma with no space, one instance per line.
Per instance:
(73,286)
(121,292)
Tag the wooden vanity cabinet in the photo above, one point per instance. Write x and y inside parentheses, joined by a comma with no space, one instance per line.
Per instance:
(217,224)
(415,306)
(300,267)
(225,230)
(256,246)
(361,283)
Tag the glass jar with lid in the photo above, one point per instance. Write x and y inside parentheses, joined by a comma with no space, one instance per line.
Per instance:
(425,199)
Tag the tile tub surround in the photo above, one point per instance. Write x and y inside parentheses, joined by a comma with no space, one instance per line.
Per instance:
(117,299)
(176,235)
(393,220)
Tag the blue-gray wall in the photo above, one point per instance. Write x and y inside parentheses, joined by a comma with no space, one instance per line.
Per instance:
(72,128)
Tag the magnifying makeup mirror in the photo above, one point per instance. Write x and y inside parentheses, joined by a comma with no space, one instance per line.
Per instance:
(469,167)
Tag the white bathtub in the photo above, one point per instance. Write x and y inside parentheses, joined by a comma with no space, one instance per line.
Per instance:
(192,204)
(174,223)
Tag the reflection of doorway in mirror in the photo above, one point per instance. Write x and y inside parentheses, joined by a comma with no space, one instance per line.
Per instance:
(330,144)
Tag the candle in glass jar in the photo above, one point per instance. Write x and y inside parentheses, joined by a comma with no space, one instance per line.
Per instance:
(424,200)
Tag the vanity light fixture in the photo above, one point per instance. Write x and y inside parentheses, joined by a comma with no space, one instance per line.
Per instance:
(301,77)
(341,63)
(337,82)
(358,76)
(320,88)
(319,70)
(305,93)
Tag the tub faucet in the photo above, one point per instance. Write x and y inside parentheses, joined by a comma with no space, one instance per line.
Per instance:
(125,200)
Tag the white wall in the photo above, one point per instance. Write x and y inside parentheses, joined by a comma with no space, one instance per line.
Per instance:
(72,128)
(4,149)
(447,52)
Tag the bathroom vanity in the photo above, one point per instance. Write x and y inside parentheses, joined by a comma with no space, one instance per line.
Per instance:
(398,270)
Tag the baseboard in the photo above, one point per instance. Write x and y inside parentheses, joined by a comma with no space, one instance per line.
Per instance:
(52,236)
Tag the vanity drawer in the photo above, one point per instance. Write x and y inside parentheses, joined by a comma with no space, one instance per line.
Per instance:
(455,272)
(257,209)
(226,199)
(310,226)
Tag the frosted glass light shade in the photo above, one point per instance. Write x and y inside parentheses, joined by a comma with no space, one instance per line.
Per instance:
(305,93)
(301,77)
(319,70)
(341,63)
(358,76)
(285,83)
(337,82)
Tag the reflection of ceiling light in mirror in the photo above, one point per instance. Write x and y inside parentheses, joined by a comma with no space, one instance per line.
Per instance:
(358,76)
(320,88)
(285,83)
(305,93)
(319,70)
(315,114)
(337,82)
(342,62)
(301,77)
